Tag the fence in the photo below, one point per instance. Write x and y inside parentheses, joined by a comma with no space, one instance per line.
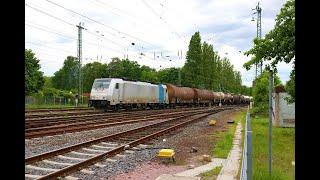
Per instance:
(246,170)
(52,100)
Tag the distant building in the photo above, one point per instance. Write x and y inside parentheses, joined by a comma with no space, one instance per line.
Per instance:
(283,113)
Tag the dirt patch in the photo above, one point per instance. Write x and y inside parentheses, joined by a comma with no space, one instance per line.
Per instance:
(198,135)
(150,170)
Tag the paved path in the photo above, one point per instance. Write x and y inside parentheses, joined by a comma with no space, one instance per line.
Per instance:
(201,169)
(231,168)
(230,165)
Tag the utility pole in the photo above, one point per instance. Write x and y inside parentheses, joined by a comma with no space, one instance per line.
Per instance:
(180,77)
(257,11)
(79,51)
(270,120)
(220,94)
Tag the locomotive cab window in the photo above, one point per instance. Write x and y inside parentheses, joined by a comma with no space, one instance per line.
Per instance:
(101,84)
(117,85)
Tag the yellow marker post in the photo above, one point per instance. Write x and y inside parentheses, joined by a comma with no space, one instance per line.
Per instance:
(212,122)
(167,153)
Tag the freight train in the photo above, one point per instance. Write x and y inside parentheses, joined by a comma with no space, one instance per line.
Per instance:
(117,93)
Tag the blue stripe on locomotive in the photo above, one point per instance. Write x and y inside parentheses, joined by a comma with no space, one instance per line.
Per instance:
(161,94)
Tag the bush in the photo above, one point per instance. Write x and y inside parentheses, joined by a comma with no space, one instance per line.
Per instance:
(260,92)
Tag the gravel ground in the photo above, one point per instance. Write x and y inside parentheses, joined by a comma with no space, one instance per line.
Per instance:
(44,144)
(39,145)
(182,140)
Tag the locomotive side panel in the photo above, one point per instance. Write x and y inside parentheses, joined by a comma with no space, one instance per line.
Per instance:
(140,93)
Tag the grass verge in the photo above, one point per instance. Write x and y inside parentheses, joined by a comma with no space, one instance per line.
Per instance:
(282,150)
(212,174)
(225,138)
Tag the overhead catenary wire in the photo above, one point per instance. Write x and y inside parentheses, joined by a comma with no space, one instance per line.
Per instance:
(170,27)
(156,14)
(69,38)
(145,23)
(36,9)
(57,18)
(40,45)
(57,33)
(73,25)
(74,38)
(64,21)
(93,20)
(98,22)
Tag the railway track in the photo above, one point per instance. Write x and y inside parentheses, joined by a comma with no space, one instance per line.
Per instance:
(76,112)
(104,147)
(50,121)
(55,109)
(61,113)
(101,123)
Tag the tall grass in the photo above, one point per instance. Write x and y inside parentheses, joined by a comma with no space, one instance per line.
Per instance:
(225,139)
(282,150)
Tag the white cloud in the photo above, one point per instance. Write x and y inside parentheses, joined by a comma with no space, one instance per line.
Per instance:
(225,24)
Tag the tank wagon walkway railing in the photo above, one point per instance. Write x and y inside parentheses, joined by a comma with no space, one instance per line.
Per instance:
(246,170)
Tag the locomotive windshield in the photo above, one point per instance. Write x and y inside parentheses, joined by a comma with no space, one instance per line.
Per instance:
(101,84)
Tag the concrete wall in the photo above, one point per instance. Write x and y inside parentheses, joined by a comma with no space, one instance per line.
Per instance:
(283,113)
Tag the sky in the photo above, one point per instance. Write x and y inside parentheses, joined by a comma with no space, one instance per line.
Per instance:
(160,30)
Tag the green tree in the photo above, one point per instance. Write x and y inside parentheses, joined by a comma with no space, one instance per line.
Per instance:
(169,75)
(260,92)
(278,44)
(34,79)
(67,77)
(290,87)
(124,68)
(48,82)
(246,90)
(90,72)
(148,74)
(205,69)
(191,69)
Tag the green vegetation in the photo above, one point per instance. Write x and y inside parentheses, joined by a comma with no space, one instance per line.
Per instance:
(90,72)
(290,87)
(260,93)
(207,71)
(67,77)
(278,45)
(225,138)
(283,142)
(204,68)
(34,80)
(212,174)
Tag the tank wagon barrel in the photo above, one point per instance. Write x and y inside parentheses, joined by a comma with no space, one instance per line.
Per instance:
(180,94)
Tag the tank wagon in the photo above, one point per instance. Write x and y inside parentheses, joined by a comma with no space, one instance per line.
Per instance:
(180,95)
(116,93)
(228,99)
(236,99)
(204,97)
(247,99)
